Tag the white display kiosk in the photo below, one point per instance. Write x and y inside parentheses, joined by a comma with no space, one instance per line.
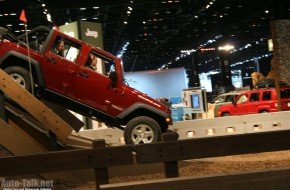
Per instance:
(195,99)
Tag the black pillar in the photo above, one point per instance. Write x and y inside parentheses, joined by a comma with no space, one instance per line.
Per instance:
(226,76)
(194,79)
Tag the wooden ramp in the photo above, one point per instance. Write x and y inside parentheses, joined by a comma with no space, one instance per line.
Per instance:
(35,107)
(18,142)
(28,132)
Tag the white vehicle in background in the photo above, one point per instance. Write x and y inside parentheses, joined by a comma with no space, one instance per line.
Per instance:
(223,99)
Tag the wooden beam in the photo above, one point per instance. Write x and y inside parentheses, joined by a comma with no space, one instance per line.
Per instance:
(16,142)
(66,160)
(66,115)
(171,167)
(270,179)
(213,147)
(36,108)
(101,173)
(23,125)
(19,143)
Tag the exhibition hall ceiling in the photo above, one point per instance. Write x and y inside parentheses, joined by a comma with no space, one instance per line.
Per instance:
(155,34)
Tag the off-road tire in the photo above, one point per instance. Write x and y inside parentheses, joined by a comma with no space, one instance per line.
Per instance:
(21,76)
(142,130)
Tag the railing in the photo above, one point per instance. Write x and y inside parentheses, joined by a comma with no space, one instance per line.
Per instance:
(169,152)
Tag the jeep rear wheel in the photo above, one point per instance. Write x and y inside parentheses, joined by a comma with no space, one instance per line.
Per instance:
(20,75)
(142,130)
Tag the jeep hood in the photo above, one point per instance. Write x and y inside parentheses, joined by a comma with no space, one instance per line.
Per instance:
(141,97)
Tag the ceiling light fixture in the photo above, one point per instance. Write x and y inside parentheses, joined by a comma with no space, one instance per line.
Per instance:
(226,47)
(48,16)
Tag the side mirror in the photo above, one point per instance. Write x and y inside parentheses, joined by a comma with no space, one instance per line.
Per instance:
(114,77)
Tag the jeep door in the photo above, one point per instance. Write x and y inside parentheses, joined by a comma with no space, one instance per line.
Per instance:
(60,66)
(92,85)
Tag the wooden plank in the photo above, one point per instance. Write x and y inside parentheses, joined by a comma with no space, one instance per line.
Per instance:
(77,140)
(16,142)
(270,179)
(66,160)
(36,136)
(66,115)
(19,143)
(36,108)
(213,147)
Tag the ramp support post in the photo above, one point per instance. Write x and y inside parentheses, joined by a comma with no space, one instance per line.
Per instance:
(2,107)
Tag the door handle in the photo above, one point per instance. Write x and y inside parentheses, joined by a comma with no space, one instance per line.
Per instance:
(84,74)
(52,60)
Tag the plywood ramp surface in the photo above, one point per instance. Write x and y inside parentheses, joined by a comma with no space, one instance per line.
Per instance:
(19,143)
(35,107)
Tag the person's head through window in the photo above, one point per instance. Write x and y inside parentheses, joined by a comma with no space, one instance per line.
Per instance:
(60,48)
(92,62)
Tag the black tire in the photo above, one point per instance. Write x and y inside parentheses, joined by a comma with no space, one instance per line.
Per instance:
(225,114)
(264,111)
(21,76)
(142,130)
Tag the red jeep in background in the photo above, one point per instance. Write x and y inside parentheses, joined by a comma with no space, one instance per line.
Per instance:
(67,80)
(257,101)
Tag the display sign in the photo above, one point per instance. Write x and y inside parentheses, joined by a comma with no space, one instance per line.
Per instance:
(195,99)
(89,32)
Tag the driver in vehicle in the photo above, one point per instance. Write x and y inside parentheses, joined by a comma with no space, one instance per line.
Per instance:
(92,62)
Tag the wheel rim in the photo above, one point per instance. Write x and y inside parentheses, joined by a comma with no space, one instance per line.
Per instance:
(19,79)
(142,134)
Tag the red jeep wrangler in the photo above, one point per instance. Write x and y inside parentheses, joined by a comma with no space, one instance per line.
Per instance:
(65,77)
(256,101)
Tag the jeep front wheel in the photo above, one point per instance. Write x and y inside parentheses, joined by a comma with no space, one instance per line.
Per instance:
(20,75)
(142,130)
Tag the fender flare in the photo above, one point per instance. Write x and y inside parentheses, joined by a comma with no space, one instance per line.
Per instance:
(37,66)
(139,105)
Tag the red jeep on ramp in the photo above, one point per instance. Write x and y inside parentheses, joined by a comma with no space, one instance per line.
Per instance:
(65,78)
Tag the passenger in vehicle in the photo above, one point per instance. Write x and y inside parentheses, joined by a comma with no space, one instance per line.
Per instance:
(92,62)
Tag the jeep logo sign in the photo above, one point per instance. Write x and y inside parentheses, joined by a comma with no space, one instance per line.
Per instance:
(90,33)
